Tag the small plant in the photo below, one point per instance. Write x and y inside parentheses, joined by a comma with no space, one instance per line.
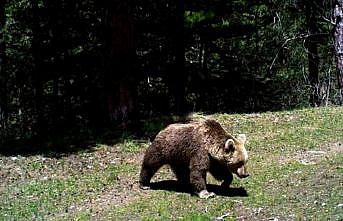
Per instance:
(131,146)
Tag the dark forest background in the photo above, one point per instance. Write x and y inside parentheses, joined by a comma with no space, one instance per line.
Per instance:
(71,67)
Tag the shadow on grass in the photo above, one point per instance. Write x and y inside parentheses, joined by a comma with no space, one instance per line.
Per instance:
(71,141)
(174,186)
(50,148)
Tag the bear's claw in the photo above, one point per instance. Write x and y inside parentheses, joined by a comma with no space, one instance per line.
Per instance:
(144,187)
(204,194)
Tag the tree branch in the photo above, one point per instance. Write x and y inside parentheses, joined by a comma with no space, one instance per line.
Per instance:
(301,36)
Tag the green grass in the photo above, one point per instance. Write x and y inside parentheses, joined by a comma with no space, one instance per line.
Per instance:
(290,180)
(36,199)
(131,146)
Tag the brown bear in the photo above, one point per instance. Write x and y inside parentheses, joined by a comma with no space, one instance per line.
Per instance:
(192,150)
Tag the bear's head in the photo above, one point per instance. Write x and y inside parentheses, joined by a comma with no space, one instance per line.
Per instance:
(234,155)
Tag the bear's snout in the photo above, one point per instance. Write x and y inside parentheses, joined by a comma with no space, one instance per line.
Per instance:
(244,175)
(242,172)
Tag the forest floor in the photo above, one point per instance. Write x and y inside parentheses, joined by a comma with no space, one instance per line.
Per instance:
(295,161)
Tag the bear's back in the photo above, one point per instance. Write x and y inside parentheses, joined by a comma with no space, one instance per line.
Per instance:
(176,143)
(182,141)
(211,134)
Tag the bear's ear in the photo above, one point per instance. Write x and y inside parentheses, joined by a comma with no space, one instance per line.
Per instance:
(229,145)
(242,138)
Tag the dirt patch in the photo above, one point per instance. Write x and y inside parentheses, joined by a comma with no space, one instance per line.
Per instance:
(124,191)
(337,147)
(244,213)
(311,157)
(121,194)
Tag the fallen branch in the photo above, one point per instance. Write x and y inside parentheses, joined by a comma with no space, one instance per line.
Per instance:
(223,216)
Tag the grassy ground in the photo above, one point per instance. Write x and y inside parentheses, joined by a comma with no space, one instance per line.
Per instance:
(295,161)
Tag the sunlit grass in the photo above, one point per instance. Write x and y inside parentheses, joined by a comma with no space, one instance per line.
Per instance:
(288,182)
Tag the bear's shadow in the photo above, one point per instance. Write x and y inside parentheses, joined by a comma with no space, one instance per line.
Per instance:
(173,185)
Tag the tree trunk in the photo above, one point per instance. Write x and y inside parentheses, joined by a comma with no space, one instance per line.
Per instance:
(120,83)
(312,50)
(338,33)
(176,76)
(3,77)
(202,88)
(37,83)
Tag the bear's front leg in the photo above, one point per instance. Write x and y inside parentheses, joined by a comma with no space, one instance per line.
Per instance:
(198,182)
(198,178)
(227,181)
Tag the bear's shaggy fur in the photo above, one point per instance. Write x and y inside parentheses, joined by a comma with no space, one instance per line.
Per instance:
(192,150)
